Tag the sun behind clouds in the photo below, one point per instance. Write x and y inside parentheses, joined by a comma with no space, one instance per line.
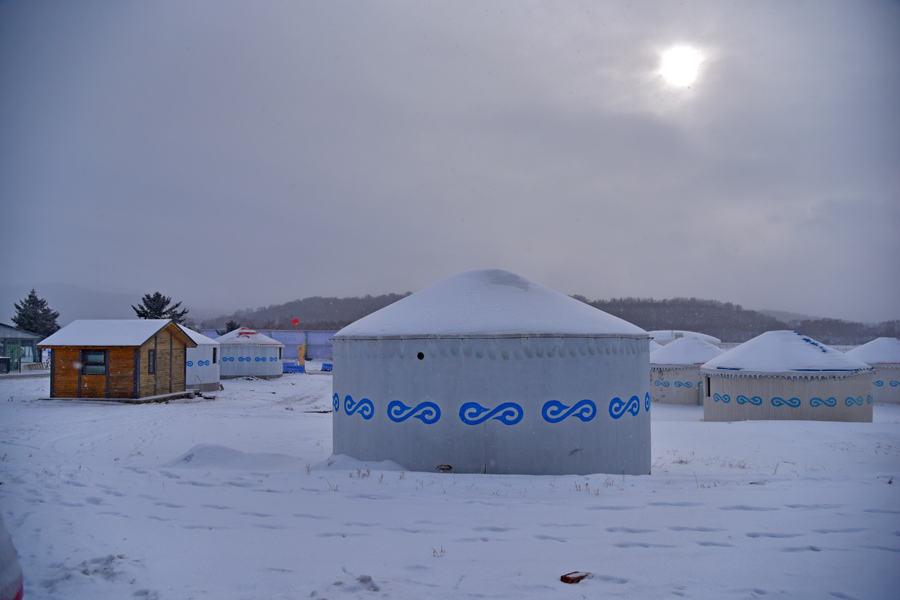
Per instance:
(680,65)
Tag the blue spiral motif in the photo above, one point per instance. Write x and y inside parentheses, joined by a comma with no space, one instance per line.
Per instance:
(792,402)
(658,383)
(879,383)
(814,402)
(850,401)
(895,384)
(686,384)
(508,413)
(724,398)
(364,407)
(272,358)
(190,363)
(427,412)
(555,411)
(336,403)
(870,399)
(618,407)
(647,402)
(755,400)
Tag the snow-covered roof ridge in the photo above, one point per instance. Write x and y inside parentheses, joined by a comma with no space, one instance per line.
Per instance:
(488,303)
(880,351)
(663,335)
(685,351)
(106,332)
(199,338)
(786,353)
(246,337)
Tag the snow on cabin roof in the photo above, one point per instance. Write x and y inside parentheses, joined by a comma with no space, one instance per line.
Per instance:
(199,338)
(881,351)
(685,351)
(108,332)
(673,334)
(246,337)
(488,303)
(782,353)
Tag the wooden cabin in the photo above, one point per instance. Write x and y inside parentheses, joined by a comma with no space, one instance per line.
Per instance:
(127,358)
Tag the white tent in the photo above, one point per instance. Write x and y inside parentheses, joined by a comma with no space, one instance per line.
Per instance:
(202,372)
(786,375)
(248,353)
(489,372)
(665,336)
(884,355)
(675,370)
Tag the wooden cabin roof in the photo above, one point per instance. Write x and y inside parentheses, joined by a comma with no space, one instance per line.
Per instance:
(113,332)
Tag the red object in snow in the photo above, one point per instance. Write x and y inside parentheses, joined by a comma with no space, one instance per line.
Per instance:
(574,576)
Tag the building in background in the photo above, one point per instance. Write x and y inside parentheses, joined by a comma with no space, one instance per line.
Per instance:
(883,354)
(202,363)
(248,353)
(675,370)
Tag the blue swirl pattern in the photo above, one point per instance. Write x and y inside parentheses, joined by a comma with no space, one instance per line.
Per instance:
(555,411)
(364,407)
(427,412)
(647,402)
(508,413)
(879,383)
(870,399)
(658,383)
(190,363)
(850,401)
(814,402)
(895,384)
(686,384)
(755,400)
(618,407)
(724,398)
(792,402)
(336,403)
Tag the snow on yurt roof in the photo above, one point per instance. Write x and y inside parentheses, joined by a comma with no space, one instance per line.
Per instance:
(881,351)
(685,351)
(106,332)
(488,303)
(654,346)
(663,335)
(246,337)
(782,353)
(199,338)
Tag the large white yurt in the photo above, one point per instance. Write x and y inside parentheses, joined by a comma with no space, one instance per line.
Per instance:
(666,336)
(883,354)
(487,372)
(202,363)
(784,375)
(675,370)
(248,353)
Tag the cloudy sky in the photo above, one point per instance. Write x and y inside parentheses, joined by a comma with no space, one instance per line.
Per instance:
(238,154)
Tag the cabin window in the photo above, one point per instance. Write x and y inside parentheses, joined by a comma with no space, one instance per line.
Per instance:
(93,362)
(151,362)
(214,355)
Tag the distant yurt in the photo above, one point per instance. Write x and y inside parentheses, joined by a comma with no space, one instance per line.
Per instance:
(783,375)
(248,353)
(488,372)
(665,336)
(675,370)
(884,355)
(202,363)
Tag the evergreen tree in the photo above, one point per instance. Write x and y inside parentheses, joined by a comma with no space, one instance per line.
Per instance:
(35,316)
(229,326)
(156,306)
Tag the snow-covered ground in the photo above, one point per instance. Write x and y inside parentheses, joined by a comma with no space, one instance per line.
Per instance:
(235,498)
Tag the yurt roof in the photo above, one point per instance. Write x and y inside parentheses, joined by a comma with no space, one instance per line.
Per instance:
(881,351)
(654,346)
(685,351)
(672,334)
(246,337)
(488,303)
(112,332)
(785,353)
(199,338)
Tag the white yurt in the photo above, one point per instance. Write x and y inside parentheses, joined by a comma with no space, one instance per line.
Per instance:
(202,363)
(884,355)
(675,370)
(784,375)
(665,336)
(488,372)
(248,353)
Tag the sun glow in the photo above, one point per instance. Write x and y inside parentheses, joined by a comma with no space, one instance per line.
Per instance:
(680,65)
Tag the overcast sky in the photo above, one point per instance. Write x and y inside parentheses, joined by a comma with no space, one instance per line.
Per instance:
(241,154)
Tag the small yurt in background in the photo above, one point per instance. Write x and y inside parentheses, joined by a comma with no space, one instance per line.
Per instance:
(247,353)
(884,355)
(202,363)
(675,370)
(488,372)
(665,336)
(783,375)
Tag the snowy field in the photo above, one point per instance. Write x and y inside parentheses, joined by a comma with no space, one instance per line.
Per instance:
(235,499)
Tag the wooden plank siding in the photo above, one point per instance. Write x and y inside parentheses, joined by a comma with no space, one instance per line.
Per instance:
(66,371)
